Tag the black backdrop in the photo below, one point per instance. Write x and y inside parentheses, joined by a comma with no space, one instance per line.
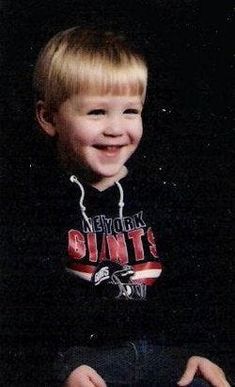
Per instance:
(188,114)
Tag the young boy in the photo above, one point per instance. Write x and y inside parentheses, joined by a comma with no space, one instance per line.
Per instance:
(90,90)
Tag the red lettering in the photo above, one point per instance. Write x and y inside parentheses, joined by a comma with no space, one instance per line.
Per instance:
(102,255)
(76,246)
(136,236)
(117,248)
(92,246)
(79,245)
(151,240)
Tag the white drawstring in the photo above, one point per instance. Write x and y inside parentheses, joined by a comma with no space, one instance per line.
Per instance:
(121,202)
(74,179)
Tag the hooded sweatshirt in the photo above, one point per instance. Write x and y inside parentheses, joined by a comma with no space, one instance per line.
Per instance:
(101,266)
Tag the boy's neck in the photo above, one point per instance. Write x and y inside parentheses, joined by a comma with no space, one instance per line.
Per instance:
(109,181)
(100,185)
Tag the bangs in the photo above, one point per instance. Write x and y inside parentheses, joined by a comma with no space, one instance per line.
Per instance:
(99,77)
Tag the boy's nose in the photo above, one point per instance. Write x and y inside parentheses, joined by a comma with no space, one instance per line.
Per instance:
(114,128)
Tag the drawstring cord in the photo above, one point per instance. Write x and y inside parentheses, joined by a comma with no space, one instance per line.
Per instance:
(74,179)
(121,202)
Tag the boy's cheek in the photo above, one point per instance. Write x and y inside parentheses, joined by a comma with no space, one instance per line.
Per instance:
(140,133)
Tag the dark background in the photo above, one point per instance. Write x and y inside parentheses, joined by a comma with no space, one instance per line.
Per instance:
(188,115)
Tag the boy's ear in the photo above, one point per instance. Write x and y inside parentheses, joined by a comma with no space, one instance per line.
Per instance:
(45,119)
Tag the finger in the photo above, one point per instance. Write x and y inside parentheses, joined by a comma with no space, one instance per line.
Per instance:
(96,379)
(84,376)
(189,373)
(82,381)
(224,383)
(219,381)
(212,373)
(208,370)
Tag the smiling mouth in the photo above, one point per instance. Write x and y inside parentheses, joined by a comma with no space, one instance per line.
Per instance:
(108,147)
(109,150)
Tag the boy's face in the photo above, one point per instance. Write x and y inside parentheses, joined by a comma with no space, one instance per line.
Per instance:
(99,133)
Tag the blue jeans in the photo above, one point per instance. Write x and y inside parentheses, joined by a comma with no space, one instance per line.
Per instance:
(134,364)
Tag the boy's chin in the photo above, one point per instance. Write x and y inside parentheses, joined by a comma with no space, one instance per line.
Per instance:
(94,177)
(101,181)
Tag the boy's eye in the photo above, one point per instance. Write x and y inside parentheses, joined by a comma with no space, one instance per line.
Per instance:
(96,112)
(131,111)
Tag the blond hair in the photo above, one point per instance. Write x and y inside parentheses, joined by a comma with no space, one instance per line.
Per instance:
(87,61)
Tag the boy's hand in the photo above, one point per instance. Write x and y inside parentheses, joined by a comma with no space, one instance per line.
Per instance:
(206,369)
(84,376)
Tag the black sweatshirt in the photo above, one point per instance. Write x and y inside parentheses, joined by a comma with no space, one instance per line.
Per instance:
(86,267)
